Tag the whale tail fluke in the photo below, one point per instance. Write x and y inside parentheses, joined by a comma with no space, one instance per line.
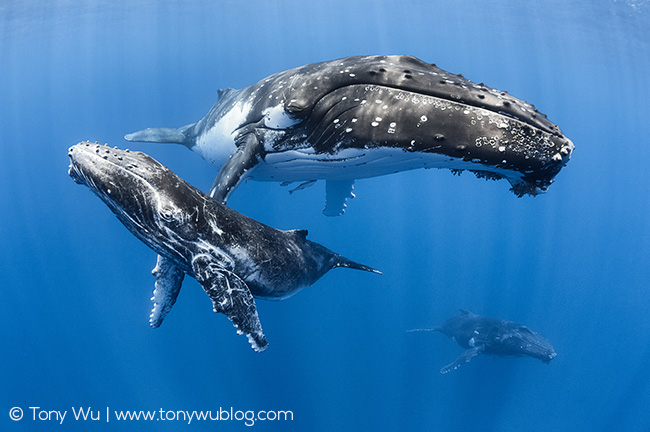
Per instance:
(347,263)
(163,135)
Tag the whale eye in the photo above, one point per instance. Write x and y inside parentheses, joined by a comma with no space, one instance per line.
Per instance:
(166,213)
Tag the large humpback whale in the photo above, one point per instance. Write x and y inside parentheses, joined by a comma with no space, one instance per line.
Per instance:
(360,117)
(233,257)
(484,335)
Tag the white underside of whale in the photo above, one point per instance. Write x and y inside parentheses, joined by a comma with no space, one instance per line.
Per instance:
(352,164)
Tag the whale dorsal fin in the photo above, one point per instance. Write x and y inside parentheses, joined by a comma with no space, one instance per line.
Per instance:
(222,93)
(464,358)
(169,279)
(300,233)
(230,296)
(337,193)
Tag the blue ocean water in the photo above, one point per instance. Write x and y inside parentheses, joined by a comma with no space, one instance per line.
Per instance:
(571,264)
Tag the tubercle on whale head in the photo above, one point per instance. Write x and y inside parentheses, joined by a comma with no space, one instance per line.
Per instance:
(99,161)
(143,194)
(524,341)
(442,116)
(409,73)
(81,165)
(130,183)
(540,184)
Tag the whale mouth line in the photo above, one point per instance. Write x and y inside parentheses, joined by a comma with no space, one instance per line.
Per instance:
(327,160)
(73,171)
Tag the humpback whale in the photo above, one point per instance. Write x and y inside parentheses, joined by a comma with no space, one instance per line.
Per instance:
(484,335)
(366,116)
(233,257)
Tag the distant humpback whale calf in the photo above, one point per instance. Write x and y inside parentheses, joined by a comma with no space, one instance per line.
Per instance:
(484,335)
(233,257)
(361,117)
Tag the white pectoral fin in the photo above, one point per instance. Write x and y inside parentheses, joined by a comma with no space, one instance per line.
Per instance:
(464,358)
(337,193)
(248,154)
(169,279)
(230,296)
(303,185)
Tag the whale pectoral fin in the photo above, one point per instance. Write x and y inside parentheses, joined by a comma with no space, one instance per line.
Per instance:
(337,193)
(249,152)
(230,296)
(464,358)
(304,185)
(169,279)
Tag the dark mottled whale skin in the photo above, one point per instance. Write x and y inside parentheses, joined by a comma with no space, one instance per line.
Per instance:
(232,256)
(360,117)
(484,335)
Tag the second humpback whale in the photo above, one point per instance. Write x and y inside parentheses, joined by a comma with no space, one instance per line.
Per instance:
(485,335)
(233,257)
(367,116)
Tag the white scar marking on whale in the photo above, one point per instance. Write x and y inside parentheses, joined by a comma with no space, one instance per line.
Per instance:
(277,118)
